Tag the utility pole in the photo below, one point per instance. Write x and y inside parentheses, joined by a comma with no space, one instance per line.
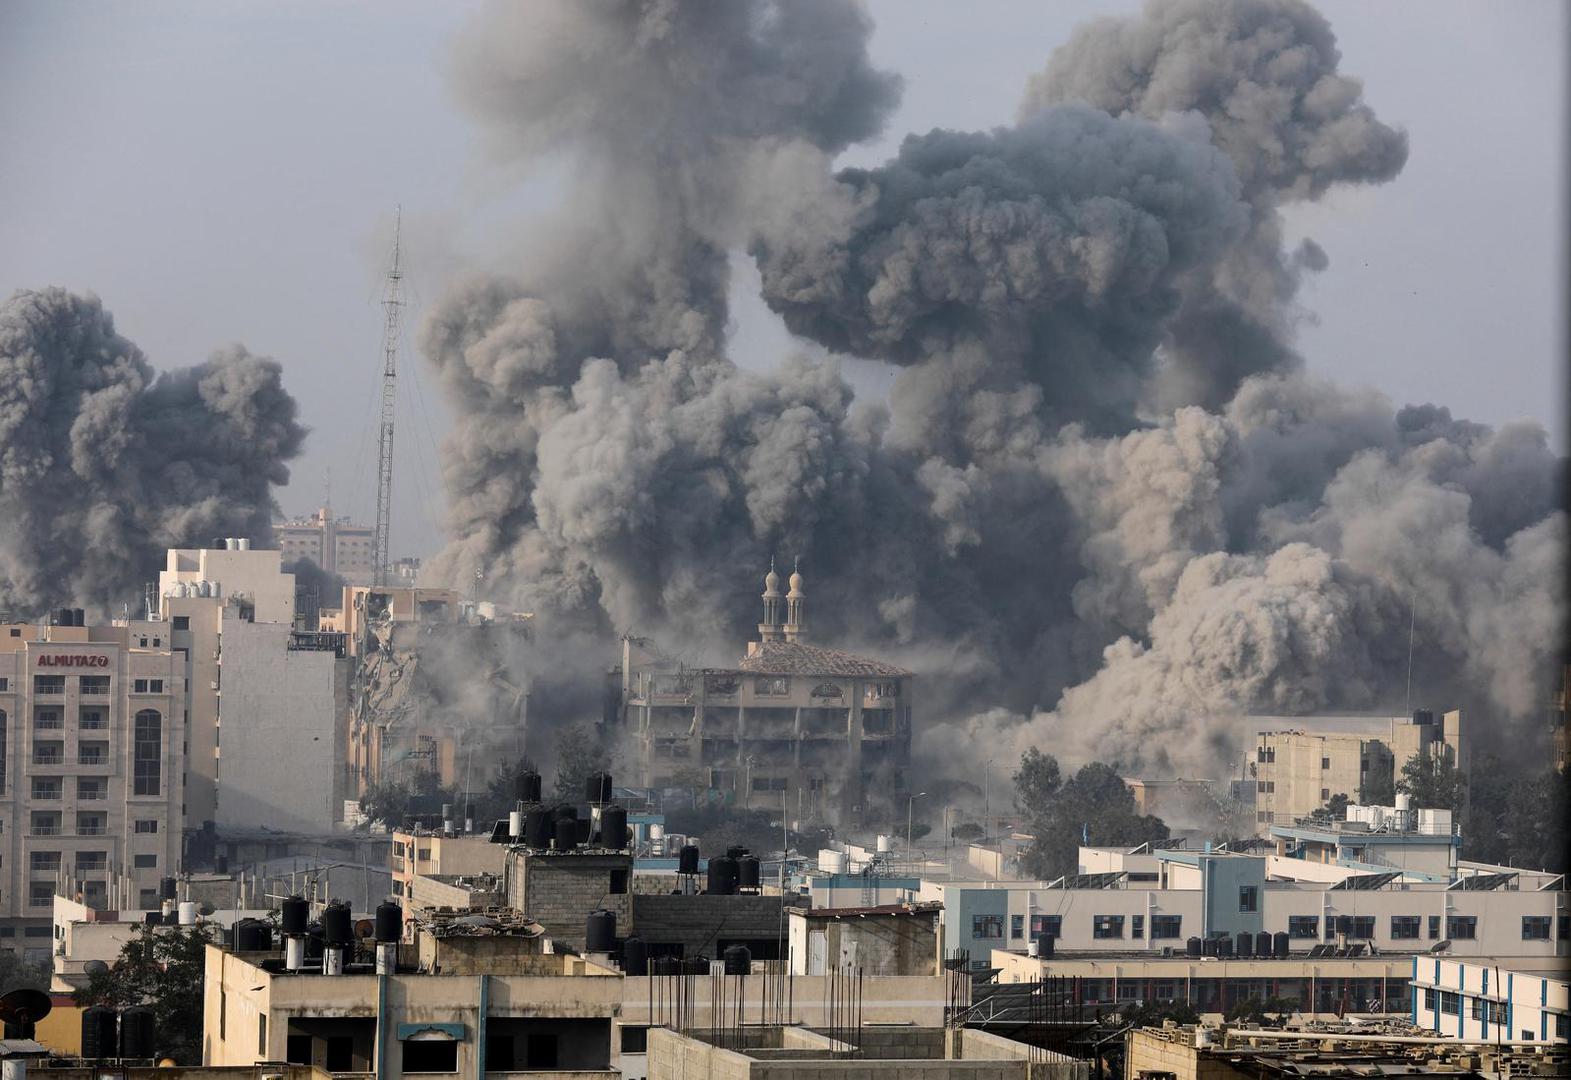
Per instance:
(392,314)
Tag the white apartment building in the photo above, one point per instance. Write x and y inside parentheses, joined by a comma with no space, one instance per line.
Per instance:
(332,543)
(267,701)
(1484,1001)
(92,763)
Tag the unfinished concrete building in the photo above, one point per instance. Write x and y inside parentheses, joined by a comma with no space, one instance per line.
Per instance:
(812,730)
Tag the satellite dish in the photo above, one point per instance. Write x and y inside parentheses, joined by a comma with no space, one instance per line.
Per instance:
(25,1006)
(95,967)
(364,928)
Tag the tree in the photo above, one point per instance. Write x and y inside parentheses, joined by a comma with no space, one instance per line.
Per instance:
(1255,1011)
(1434,782)
(160,967)
(392,802)
(1378,789)
(17,973)
(579,755)
(1335,809)
(1094,806)
(720,827)
(500,795)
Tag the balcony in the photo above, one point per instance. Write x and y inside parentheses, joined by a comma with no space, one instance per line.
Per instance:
(92,759)
(56,758)
(43,830)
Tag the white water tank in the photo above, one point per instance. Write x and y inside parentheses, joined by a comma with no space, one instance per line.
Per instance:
(244,543)
(1404,801)
(831,861)
(656,831)
(883,844)
(182,589)
(187,913)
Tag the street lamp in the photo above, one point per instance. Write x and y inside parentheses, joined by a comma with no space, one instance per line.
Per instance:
(909,804)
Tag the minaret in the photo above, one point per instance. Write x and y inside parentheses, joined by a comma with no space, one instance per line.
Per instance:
(795,616)
(769,629)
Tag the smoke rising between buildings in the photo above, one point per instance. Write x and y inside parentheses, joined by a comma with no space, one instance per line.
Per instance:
(105,464)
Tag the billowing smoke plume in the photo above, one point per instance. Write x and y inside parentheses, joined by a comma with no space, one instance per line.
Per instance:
(104,464)
(1103,510)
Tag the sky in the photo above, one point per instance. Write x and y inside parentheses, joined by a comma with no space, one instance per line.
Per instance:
(220,171)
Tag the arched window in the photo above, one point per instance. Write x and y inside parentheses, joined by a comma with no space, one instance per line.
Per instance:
(147,743)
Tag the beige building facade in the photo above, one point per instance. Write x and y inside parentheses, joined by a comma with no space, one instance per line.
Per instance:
(1301,764)
(333,543)
(92,766)
(820,732)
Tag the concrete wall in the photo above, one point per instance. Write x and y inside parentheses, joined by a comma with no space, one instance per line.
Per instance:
(1151,1051)
(559,891)
(701,924)
(280,766)
(878,944)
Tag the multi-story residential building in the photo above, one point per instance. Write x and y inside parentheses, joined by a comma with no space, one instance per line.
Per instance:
(1470,1000)
(231,614)
(92,767)
(1301,762)
(824,733)
(424,853)
(334,544)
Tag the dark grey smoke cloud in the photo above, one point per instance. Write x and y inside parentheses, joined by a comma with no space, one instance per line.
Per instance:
(104,464)
(1104,509)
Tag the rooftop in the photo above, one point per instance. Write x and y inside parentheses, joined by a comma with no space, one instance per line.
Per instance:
(795,658)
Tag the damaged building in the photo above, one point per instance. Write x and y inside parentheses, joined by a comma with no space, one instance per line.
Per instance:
(793,724)
(439,686)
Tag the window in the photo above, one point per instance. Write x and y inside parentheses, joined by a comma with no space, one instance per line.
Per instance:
(48,787)
(771,686)
(1017,927)
(261,1036)
(148,686)
(95,685)
(1477,1008)
(91,824)
(1325,793)
(44,860)
(146,862)
(1107,926)
(1137,926)
(5,684)
(45,823)
(1047,926)
(1325,763)
(147,751)
(1462,927)
(40,894)
(182,622)
(987,926)
(48,718)
(93,718)
(48,684)
(498,1052)
(1434,928)
(92,860)
(1303,926)
(1535,927)
(147,825)
(1248,898)
(1562,922)
(433,1055)
(1166,927)
(1404,927)
(92,753)
(541,1052)
(618,882)
(1363,927)
(1450,1003)
(1429,999)
(48,753)
(147,899)
(635,1040)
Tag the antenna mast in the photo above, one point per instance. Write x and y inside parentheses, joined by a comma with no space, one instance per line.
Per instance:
(392,313)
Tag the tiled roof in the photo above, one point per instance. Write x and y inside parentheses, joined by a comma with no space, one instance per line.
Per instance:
(795,658)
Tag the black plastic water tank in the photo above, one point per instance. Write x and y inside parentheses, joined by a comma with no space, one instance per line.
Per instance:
(735,851)
(597,788)
(314,943)
(687,859)
(526,787)
(98,1032)
(171,918)
(1208,946)
(722,876)
(738,960)
(220,864)
(166,888)
(565,827)
(389,925)
(586,830)
(1344,924)
(78,617)
(613,828)
(1263,943)
(1244,943)
(1192,947)
(747,873)
(1279,944)
(294,915)
(665,965)
(338,925)
(253,935)
(600,932)
(695,965)
(1224,946)
(136,1032)
(635,957)
(539,828)
(1044,946)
